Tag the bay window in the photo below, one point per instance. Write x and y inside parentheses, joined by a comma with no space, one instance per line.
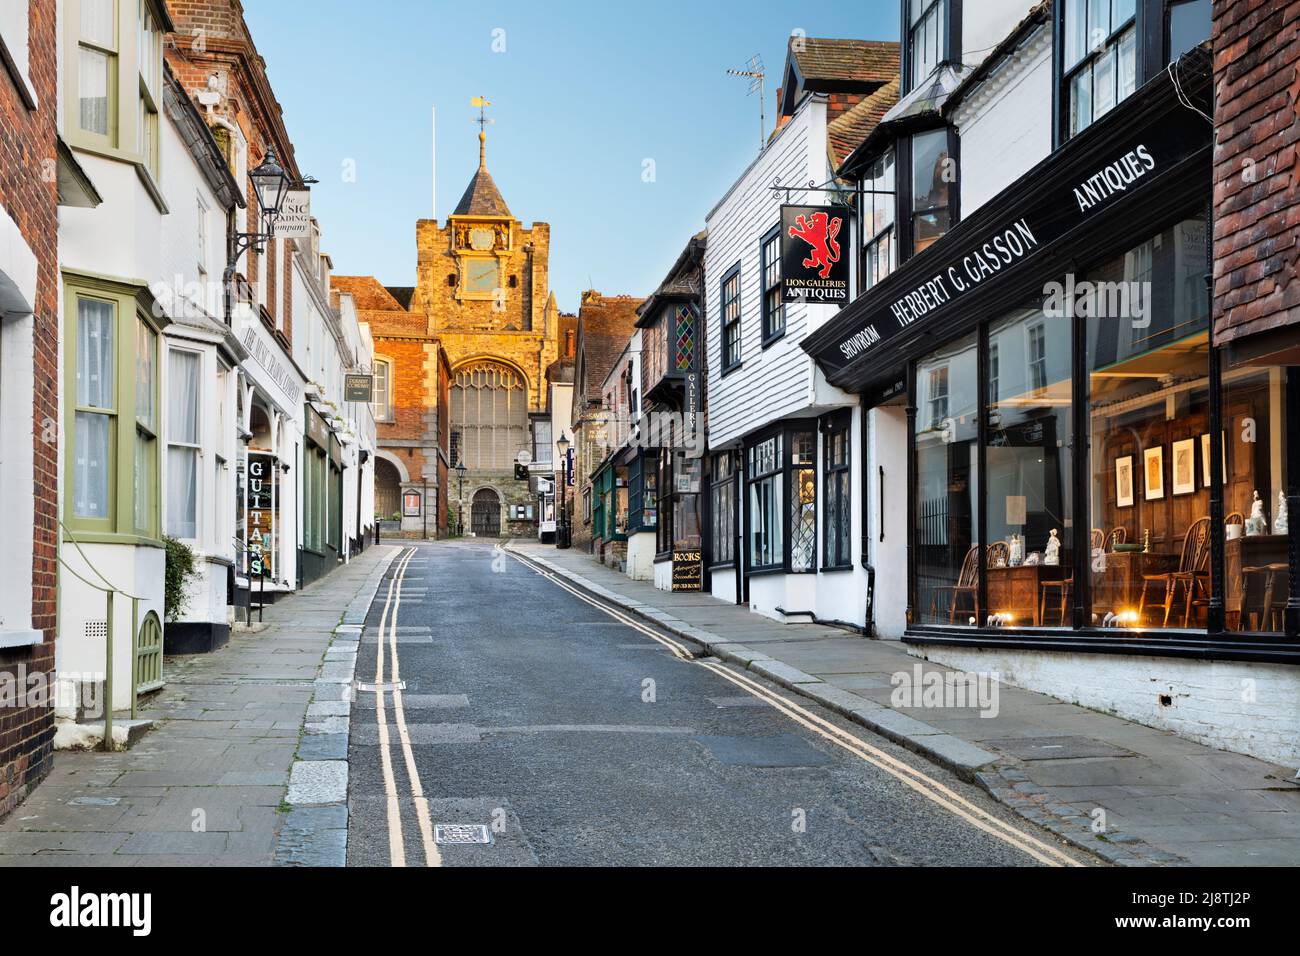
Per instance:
(112,478)
(182,443)
(1099,59)
(931,178)
(878,255)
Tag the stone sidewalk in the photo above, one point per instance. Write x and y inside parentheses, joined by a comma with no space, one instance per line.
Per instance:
(209,785)
(1128,793)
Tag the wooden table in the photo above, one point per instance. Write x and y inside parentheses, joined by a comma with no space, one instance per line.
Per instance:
(1016,591)
(1119,587)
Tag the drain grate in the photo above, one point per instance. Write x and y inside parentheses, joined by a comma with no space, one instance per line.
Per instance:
(461,833)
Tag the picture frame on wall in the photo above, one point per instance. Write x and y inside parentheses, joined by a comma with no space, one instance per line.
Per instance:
(1153,471)
(1124,482)
(1205,459)
(1184,466)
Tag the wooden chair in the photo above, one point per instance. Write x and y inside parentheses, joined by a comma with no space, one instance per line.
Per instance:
(1096,540)
(1117,536)
(998,550)
(967,584)
(1063,586)
(1273,608)
(1192,575)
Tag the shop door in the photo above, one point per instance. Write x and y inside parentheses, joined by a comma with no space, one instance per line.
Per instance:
(485,516)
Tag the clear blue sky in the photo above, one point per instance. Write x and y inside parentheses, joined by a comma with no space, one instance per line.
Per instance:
(582,94)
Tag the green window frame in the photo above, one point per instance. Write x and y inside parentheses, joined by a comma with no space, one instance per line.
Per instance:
(129,507)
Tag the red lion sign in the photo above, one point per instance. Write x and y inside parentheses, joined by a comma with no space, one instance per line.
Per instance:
(820,233)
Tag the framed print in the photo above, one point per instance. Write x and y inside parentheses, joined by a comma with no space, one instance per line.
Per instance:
(1205,459)
(1153,468)
(1184,453)
(1124,482)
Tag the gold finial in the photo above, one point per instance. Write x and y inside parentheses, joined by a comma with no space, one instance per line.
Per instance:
(482,102)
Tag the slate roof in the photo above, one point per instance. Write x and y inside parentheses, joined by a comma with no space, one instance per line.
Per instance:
(482,198)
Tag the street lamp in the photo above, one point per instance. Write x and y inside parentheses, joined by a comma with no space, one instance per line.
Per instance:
(271,185)
(562,529)
(460,497)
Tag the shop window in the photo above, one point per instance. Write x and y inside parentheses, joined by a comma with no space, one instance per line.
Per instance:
(679,500)
(1146,315)
(731,319)
(182,443)
(1254,461)
(1099,69)
(837,509)
(878,254)
(722,508)
(946,504)
(927,37)
(773,310)
(931,177)
(764,474)
(1028,471)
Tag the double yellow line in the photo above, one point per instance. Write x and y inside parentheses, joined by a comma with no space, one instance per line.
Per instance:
(388,628)
(930,788)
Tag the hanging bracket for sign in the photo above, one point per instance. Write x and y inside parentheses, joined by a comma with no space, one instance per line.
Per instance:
(830,186)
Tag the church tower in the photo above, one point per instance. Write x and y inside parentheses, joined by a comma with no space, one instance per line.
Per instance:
(482,303)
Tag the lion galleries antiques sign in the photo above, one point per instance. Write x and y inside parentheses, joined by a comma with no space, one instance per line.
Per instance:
(814,267)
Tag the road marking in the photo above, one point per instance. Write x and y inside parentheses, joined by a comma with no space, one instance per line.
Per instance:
(393,809)
(922,783)
(432,857)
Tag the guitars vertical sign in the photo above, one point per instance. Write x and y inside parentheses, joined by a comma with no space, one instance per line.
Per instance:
(814,263)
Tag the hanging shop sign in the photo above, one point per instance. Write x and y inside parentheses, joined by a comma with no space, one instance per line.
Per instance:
(815,241)
(411,503)
(1066,193)
(262,514)
(294,221)
(688,570)
(358,388)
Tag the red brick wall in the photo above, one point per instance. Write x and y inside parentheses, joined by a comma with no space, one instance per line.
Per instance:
(1256,166)
(27,145)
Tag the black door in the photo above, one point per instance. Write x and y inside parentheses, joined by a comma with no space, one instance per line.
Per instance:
(485,515)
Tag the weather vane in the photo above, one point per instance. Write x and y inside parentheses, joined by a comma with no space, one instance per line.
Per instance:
(482,102)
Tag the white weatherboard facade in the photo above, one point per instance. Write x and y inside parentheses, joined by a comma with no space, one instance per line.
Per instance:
(778,382)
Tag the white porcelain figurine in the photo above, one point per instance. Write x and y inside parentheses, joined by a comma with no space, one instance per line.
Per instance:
(1256,524)
(1017,550)
(1053,555)
(1280,522)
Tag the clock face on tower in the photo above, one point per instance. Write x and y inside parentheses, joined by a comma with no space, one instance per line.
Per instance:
(481,276)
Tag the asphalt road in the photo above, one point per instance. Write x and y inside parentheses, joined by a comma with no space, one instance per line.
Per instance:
(578,740)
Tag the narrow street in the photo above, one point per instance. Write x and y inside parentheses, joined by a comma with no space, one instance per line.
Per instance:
(583,740)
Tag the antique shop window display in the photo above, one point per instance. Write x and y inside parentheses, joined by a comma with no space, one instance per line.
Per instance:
(946,493)
(803,501)
(765,519)
(722,508)
(1028,470)
(1146,315)
(1256,522)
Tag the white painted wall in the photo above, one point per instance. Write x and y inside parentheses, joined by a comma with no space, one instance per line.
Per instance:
(641,556)
(888,450)
(1242,707)
(1006,123)
(985,23)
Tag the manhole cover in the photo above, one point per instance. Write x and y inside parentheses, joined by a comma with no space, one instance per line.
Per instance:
(461,833)
(1056,748)
(94,801)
